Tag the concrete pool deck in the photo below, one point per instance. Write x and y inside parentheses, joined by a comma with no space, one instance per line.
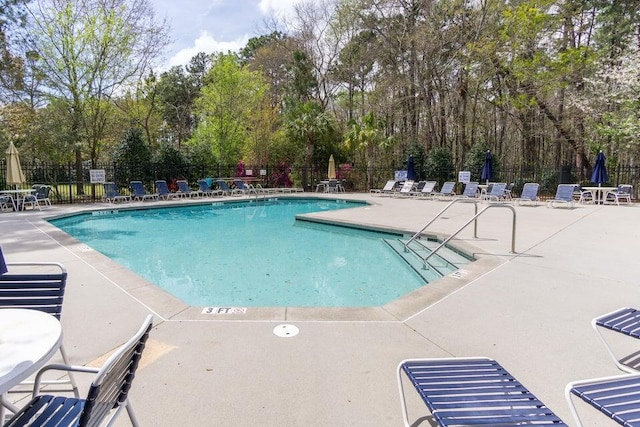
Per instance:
(530,310)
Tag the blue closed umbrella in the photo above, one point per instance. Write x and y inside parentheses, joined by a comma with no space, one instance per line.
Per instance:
(487,168)
(599,174)
(411,169)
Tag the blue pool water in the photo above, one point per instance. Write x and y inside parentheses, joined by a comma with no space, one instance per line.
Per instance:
(250,254)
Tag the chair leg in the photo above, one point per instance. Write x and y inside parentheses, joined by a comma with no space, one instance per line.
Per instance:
(132,416)
(72,380)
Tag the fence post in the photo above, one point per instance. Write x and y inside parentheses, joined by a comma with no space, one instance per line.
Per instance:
(70,182)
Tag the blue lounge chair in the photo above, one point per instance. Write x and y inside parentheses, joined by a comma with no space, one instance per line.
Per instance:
(206,190)
(242,187)
(139,193)
(564,196)
(472,391)
(6,203)
(529,193)
(625,321)
(106,398)
(447,190)
(497,192)
(163,191)
(470,191)
(616,397)
(112,195)
(224,187)
(623,192)
(39,198)
(185,190)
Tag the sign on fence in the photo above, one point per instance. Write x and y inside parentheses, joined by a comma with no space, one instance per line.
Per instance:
(97,176)
(401,175)
(464,176)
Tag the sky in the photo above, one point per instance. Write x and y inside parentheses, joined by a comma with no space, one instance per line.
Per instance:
(214,25)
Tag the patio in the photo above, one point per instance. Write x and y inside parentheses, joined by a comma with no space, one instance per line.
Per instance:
(530,311)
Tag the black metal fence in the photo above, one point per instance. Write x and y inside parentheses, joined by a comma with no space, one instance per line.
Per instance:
(69,188)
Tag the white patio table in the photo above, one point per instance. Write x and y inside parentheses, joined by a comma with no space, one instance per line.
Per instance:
(28,340)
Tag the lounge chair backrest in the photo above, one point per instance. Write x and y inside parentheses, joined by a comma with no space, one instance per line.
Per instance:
(162,187)
(137,188)
(42,192)
(429,186)
(110,189)
(565,192)
(241,185)
(530,191)
(41,290)
(389,185)
(447,187)
(203,186)
(624,189)
(407,187)
(498,189)
(222,184)
(183,186)
(470,189)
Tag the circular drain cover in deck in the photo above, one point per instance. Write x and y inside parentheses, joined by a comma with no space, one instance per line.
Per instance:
(286,331)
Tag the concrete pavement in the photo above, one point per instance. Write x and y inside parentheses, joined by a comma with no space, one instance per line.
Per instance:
(529,310)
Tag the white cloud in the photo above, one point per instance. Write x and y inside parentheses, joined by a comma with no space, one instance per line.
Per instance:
(208,44)
(279,8)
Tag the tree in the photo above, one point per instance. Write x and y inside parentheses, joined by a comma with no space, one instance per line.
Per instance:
(177,92)
(89,51)
(367,137)
(133,158)
(226,107)
(11,66)
(308,125)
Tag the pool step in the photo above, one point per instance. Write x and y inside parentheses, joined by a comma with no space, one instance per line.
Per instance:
(444,262)
(424,247)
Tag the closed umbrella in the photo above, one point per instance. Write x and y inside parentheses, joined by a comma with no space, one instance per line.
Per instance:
(599,175)
(331,173)
(487,168)
(14,171)
(411,169)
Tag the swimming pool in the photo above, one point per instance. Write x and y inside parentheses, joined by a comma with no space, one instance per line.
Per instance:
(252,253)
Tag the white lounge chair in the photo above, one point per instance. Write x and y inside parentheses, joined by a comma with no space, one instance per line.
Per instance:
(389,187)
(447,190)
(529,193)
(427,190)
(564,196)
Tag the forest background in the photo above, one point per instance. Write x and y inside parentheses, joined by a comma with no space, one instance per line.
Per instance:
(543,84)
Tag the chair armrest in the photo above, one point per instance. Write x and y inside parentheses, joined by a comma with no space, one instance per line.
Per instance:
(60,367)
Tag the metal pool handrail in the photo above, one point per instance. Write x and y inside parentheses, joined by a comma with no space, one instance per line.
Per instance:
(475,226)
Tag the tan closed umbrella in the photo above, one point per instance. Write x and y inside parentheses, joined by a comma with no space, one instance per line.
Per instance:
(14,170)
(331,173)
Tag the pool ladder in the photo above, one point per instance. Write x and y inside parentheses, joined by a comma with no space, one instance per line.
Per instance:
(473,219)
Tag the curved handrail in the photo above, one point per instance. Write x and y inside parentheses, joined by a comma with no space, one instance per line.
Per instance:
(418,233)
(513,231)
